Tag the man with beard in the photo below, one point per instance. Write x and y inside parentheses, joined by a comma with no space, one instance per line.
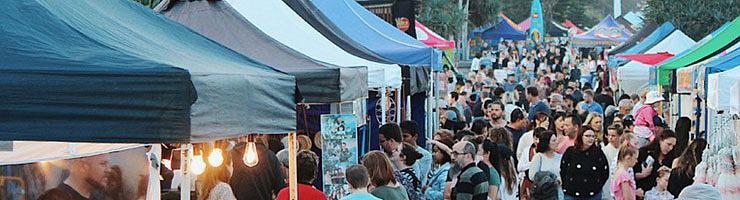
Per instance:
(495,114)
(390,139)
(472,182)
(87,178)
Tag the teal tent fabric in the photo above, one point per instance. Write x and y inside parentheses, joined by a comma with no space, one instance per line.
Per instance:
(319,82)
(115,71)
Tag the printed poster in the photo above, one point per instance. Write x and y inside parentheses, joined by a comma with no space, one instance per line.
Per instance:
(339,137)
(686,79)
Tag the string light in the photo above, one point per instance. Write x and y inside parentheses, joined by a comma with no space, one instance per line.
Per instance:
(250,154)
(216,157)
(198,166)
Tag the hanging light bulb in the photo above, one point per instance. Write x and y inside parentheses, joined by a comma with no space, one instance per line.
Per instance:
(250,154)
(216,157)
(198,166)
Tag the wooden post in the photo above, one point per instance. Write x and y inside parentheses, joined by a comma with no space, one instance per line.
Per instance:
(292,167)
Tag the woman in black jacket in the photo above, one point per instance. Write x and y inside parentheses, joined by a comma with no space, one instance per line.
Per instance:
(584,168)
(661,152)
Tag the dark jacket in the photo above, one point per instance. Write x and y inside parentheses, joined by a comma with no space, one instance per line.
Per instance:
(584,173)
(647,183)
(678,181)
(259,182)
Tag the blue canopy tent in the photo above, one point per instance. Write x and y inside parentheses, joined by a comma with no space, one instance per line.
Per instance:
(651,40)
(365,28)
(502,30)
(480,30)
(115,71)
(605,34)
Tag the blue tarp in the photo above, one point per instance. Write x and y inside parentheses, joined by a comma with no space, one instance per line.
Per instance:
(502,30)
(605,34)
(115,71)
(651,40)
(479,30)
(382,38)
(724,62)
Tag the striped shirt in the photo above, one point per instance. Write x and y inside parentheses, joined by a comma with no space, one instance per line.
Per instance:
(472,184)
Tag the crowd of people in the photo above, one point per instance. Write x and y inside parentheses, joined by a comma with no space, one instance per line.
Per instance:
(544,123)
(543,130)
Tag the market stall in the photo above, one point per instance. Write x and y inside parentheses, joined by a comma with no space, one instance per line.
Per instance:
(605,34)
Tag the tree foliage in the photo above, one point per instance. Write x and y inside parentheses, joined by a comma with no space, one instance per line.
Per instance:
(442,16)
(696,18)
(482,12)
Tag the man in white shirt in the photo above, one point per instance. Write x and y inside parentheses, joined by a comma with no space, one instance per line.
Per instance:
(475,63)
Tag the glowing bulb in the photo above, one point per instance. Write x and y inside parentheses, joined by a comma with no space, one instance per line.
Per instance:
(250,155)
(198,166)
(216,157)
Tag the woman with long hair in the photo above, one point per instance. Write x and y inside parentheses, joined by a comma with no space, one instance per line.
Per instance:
(382,179)
(485,150)
(546,158)
(595,122)
(524,161)
(683,127)
(682,174)
(657,154)
(584,168)
(215,180)
(502,159)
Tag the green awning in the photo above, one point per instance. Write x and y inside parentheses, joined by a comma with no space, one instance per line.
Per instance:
(723,37)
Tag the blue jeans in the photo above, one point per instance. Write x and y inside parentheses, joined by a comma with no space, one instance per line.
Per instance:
(595,197)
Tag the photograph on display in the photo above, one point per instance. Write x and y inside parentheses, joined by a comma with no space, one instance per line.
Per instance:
(108,176)
(339,138)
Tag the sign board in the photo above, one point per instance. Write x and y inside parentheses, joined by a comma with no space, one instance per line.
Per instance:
(339,138)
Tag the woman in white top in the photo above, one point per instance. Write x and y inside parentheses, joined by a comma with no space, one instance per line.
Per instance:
(546,158)
(215,180)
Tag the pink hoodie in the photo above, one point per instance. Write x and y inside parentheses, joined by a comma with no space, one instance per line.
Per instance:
(644,116)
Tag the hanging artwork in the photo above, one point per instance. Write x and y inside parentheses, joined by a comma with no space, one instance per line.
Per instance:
(339,138)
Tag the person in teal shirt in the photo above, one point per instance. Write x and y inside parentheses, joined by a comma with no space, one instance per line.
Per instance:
(358,180)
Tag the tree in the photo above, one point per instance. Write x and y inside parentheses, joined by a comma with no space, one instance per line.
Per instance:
(696,18)
(442,16)
(482,12)
(573,10)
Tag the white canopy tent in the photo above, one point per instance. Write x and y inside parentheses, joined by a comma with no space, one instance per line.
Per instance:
(634,76)
(724,90)
(281,23)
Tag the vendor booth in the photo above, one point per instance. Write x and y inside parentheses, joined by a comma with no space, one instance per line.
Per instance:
(117,72)
(503,31)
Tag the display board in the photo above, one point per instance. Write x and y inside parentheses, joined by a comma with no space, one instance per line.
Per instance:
(339,138)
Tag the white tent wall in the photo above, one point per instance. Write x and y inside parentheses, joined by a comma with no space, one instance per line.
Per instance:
(281,23)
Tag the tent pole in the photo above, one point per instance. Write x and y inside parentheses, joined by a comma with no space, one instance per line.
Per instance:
(408,107)
(185,169)
(398,106)
(383,108)
(292,167)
